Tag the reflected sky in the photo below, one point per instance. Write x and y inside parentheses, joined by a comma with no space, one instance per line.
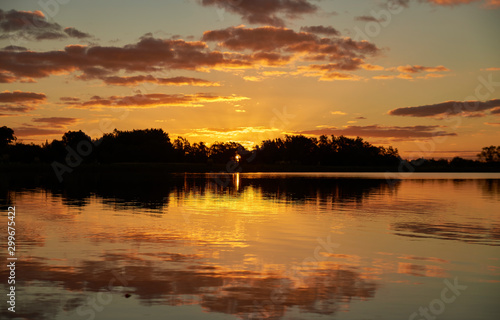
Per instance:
(253,246)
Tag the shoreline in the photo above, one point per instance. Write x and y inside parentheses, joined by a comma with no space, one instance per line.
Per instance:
(145,168)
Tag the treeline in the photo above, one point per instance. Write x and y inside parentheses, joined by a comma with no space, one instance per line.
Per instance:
(328,151)
(155,145)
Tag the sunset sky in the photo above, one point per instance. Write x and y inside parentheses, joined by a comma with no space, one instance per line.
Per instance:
(420,75)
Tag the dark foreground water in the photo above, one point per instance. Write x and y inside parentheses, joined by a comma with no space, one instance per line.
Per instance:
(255,246)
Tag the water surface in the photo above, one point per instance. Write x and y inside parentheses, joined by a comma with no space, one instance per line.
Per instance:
(257,246)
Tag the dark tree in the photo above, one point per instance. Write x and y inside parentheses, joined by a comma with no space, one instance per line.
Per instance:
(461,162)
(73,138)
(333,151)
(149,145)
(6,136)
(25,153)
(300,150)
(221,152)
(182,150)
(199,152)
(490,154)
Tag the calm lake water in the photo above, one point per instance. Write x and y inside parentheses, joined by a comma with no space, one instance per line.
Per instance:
(256,246)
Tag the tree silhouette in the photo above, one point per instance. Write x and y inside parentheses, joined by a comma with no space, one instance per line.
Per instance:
(149,145)
(154,145)
(490,154)
(6,136)
(333,151)
(199,152)
(73,138)
(223,152)
(182,150)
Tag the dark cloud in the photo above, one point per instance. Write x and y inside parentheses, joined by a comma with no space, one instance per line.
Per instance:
(360,118)
(74,33)
(49,35)
(368,19)
(33,25)
(269,12)
(19,101)
(270,58)
(396,3)
(148,55)
(20,96)
(383,131)
(56,122)
(495,110)
(345,65)
(273,39)
(90,73)
(69,99)
(329,71)
(448,108)
(155,100)
(16,108)
(260,39)
(6,77)
(329,31)
(340,53)
(269,46)
(34,131)
(14,48)
(417,69)
(28,24)
(409,71)
(175,81)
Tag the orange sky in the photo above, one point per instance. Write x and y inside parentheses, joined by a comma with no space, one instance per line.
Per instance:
(423,76)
